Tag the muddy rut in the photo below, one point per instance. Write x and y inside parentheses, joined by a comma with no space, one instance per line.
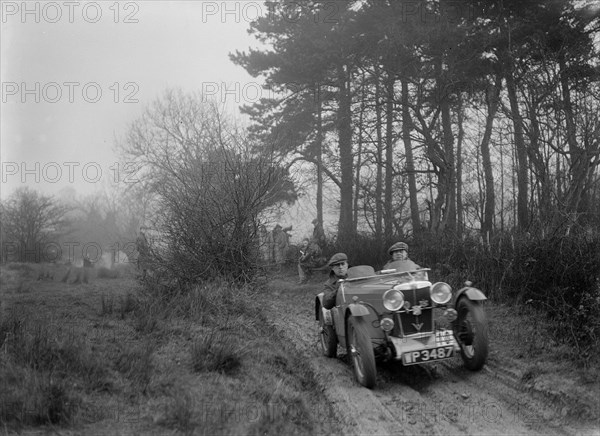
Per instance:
(436,399)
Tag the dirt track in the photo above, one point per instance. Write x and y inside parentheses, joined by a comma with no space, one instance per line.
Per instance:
(442,398)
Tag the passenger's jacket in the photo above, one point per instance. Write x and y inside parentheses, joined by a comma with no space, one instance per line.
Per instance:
(401,265)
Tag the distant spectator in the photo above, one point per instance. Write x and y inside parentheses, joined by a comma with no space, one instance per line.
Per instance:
(280,244)
(87,263)
(265,241)
(309,255)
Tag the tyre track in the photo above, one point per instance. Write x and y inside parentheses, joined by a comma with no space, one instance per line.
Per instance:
(438,399)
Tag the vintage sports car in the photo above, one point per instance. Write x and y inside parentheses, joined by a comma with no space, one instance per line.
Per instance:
(390,315)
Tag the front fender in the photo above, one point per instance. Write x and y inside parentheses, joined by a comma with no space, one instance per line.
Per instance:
(473,294)
(357,309)
(318,304)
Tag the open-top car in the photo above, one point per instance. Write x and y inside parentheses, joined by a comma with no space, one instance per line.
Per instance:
(391,315)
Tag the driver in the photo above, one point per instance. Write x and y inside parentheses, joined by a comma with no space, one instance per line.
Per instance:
(400,260)
(339,270)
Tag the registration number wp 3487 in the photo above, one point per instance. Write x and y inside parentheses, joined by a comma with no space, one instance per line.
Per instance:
(413,357)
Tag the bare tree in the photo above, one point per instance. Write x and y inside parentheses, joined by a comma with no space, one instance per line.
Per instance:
(210,187)
(29,221)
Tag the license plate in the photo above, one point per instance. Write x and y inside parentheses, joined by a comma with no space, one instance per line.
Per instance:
(421,356)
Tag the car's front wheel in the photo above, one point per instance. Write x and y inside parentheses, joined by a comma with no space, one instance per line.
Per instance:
(327,336)
(471,332)
(360,350)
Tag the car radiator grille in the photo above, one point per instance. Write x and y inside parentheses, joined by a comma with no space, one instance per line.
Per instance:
(414,324)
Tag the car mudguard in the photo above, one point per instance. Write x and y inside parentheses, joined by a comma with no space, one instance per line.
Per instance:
(318,304)
(357,309)
(473,294)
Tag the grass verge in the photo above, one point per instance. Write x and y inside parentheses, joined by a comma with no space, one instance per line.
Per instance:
(110,357)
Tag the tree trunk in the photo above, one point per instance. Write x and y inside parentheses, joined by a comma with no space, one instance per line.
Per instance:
(319,156)
(448,137)
(521,154)
(459,141)
(579,162)
(493,94)
(379,165)
(359,154)
(410,164)
(389,159)
(346,229)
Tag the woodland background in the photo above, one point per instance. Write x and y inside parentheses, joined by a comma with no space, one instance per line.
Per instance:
(470,129)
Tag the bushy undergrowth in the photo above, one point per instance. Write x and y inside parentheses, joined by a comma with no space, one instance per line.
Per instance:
(563,276)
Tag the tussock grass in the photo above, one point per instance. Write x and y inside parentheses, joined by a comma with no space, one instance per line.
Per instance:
(180,413)
(106,273)
(216,351)
(122,305)
(136,363)
(40,366)
(45,346)
(191,359)
(29,397)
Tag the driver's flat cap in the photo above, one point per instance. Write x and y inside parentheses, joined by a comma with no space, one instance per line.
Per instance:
(337,258)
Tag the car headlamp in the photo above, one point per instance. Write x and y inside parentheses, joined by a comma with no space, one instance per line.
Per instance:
(441,293)
(393,300)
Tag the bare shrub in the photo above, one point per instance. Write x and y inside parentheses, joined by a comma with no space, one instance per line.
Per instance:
(210,187)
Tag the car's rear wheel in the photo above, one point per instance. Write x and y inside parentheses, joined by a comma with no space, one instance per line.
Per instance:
(327,337)
(471,332)
(360,350)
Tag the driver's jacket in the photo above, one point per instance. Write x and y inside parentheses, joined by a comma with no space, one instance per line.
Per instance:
(330,290)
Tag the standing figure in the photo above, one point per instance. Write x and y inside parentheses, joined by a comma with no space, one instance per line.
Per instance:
(280,245)
(309,253)
(265,242)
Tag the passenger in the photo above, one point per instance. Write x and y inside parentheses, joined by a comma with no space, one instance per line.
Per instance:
(339,270)
(400,260)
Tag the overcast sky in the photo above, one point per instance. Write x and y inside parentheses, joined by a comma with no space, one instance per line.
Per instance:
(75,74)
